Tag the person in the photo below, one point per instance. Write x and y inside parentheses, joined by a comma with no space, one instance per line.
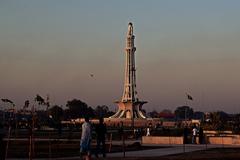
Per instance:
(148,131)
(86,139)
(194,135)
(185,135)
(101,131)
(201,135)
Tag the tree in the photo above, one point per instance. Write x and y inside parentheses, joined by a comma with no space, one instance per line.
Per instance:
(199,115)
(219,120)
(102,111)
(154,114)
(42,118)
(167,114)
(56,113)
(236,123)
(183,112)
(55,116)
(39,99)
(78,109)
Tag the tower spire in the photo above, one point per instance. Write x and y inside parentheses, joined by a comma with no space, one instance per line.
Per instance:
(129,106)
(130,93)
(130,28)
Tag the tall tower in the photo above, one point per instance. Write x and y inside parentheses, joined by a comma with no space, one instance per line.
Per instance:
(129,106)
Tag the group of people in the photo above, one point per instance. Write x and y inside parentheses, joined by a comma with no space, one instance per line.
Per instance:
(86,137)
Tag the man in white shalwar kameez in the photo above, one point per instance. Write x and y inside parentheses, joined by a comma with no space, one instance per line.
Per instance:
(86,139)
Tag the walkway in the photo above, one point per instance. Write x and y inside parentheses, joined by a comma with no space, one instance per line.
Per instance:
(169,150)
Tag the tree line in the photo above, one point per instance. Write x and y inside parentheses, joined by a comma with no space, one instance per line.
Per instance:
(77,109)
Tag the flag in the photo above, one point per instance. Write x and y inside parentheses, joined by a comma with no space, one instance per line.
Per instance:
(189,97)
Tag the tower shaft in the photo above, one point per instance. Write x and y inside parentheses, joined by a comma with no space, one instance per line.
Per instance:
(130,93)
(129,106)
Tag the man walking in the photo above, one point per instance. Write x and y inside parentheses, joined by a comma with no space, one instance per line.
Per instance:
(194,135)
(86,137)
(101,131)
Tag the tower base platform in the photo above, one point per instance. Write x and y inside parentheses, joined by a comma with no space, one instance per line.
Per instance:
(116,122)
(129,110)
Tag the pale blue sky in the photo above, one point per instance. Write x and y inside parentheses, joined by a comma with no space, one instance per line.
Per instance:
(51,47)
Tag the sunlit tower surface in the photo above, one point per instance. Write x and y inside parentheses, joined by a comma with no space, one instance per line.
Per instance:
(130,106)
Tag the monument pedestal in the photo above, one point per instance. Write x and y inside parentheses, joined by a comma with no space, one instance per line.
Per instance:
(129,110)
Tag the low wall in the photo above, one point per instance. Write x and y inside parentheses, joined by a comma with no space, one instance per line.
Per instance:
(230,139)
(233,139)
(161,140)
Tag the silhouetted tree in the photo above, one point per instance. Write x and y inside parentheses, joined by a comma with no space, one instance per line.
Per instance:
(183,112)
(55,116)
(236,123)
(39,99)
(42,118)
(219,120)
(56,113)
(166,113)
(198,115)
(102,111)
(78,109)
(154,114)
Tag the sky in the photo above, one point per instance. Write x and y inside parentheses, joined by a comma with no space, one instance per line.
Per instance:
(53,47)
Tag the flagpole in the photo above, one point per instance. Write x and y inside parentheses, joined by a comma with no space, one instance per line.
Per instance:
(188,98)
(186,111)
(185,119)
(185,114)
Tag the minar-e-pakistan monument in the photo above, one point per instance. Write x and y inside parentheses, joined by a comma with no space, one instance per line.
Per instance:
(130,107)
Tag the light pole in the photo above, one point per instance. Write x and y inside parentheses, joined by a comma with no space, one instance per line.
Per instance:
(7,101)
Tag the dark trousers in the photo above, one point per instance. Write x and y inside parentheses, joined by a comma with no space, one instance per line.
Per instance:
(101,149)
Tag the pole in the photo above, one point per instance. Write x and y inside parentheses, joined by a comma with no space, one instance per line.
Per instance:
(183,147)
(30,147)
(123,138)
(31,139)
(206,141)
(31,142)
(222,141)
(49,147)
(185,112)
(110,145)
(10,122)
(133,120)
(33,125)
(185,124)
(9,132)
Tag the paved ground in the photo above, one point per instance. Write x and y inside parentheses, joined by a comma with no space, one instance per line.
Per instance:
(170,150)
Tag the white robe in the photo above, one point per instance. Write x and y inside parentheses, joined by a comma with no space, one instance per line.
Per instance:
(86,136)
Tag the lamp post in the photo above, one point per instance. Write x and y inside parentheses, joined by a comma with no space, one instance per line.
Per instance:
(13,115)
